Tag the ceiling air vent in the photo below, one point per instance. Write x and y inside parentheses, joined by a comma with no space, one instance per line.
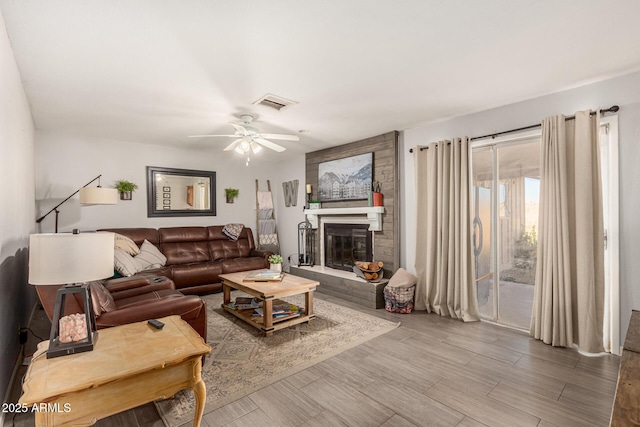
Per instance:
(273,101)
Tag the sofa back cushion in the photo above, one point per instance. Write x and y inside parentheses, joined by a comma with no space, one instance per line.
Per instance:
(184,245)
(220,247)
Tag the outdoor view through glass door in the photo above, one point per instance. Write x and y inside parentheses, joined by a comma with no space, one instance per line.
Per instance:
(506,193)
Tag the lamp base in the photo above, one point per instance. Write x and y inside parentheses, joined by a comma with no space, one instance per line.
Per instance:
(57,349)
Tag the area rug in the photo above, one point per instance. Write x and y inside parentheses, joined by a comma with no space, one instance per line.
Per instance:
(243,361)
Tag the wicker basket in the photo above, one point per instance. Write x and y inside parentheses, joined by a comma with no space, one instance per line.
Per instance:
(399,300)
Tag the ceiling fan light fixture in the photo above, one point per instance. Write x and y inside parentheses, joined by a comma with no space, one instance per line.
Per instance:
(239,149)
(255,147)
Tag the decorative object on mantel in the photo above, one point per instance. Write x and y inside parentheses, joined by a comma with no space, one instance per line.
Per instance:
(231,193)
(126,188)
(275,262)
(375,197)
(290,189)
(309,192)
(305,243)
(314,204)
(88,196)
(345,179)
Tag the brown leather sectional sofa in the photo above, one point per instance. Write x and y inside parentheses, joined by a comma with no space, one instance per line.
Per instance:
(135,299)
(196,256)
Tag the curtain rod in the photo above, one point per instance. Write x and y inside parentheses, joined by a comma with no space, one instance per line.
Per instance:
(612,109)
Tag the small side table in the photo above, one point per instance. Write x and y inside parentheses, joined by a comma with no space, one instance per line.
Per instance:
(130,365)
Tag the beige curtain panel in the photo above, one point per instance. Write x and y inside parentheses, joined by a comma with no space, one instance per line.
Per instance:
(569,290)
(444,253)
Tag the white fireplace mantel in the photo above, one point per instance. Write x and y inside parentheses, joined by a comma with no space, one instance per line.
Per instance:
(374,215)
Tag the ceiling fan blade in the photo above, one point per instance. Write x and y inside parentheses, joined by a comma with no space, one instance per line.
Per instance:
(280,136)
(232,145)
(206,136)
(269,144)
(239,128)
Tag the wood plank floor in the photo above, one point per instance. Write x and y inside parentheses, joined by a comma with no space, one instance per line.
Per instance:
(429,371)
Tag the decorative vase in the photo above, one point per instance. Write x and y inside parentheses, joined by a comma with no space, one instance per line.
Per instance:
(126,195)
(275,267)
(229,199)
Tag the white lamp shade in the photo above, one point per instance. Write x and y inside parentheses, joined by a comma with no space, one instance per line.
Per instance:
(98,196)
(58,259)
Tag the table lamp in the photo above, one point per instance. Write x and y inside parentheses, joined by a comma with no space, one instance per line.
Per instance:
(70,259)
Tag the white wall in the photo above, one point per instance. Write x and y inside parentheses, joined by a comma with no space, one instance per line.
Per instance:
(623,91)
(17,209)
(64,163)
(288,218)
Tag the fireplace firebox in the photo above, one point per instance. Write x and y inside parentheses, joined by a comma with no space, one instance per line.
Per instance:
(346,243)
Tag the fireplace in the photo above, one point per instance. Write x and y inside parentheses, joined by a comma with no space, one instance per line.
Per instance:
(346,243)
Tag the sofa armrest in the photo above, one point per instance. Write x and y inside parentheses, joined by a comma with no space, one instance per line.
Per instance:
(187,307)
(137,281)
(263,254)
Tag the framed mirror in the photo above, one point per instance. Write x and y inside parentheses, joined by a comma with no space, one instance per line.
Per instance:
(180,192)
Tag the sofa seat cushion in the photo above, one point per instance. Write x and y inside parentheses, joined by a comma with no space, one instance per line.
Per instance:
(162,271)
(243,264)
(202,273)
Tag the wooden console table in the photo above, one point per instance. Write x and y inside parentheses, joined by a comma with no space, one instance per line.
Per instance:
(130,365)
(626,406)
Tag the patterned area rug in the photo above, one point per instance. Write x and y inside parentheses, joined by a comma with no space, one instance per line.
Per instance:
(242,361)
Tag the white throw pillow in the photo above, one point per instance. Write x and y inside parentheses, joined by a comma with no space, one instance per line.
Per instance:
(126,244)
(124,263)
(150,256)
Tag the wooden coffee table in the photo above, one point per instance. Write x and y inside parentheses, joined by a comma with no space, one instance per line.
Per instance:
(269,292)
(130,365)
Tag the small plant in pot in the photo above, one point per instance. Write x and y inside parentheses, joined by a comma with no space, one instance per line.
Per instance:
(231,194)
(126,188)
(276,262)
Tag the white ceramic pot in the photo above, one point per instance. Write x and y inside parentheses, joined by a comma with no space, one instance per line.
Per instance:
(275,267)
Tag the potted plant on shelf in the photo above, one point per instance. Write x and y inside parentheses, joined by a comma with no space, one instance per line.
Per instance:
(126,188)
(276,262)
(231,194)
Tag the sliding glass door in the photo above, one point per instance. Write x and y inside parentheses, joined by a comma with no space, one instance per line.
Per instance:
(506,187)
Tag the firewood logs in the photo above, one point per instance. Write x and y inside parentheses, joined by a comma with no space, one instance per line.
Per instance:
(370,270)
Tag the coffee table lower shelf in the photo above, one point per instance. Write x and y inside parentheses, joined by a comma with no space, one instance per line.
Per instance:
(278,322)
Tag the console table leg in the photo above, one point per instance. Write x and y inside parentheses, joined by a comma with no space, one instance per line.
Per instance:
(200,392)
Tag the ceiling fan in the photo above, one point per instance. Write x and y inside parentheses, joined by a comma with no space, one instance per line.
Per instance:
(250,138)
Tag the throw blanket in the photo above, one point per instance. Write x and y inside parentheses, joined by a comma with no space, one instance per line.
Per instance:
(232,231)
(264,200)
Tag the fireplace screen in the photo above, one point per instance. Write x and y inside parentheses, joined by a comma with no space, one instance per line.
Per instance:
(346,243)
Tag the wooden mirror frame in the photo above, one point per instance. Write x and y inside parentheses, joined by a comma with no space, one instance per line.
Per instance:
(152,191)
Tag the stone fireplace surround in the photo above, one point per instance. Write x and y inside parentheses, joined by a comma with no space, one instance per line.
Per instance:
(383,221)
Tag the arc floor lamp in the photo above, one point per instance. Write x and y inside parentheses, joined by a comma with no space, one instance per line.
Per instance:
(88,196)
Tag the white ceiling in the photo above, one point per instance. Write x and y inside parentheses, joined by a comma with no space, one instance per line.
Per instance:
(156,71)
